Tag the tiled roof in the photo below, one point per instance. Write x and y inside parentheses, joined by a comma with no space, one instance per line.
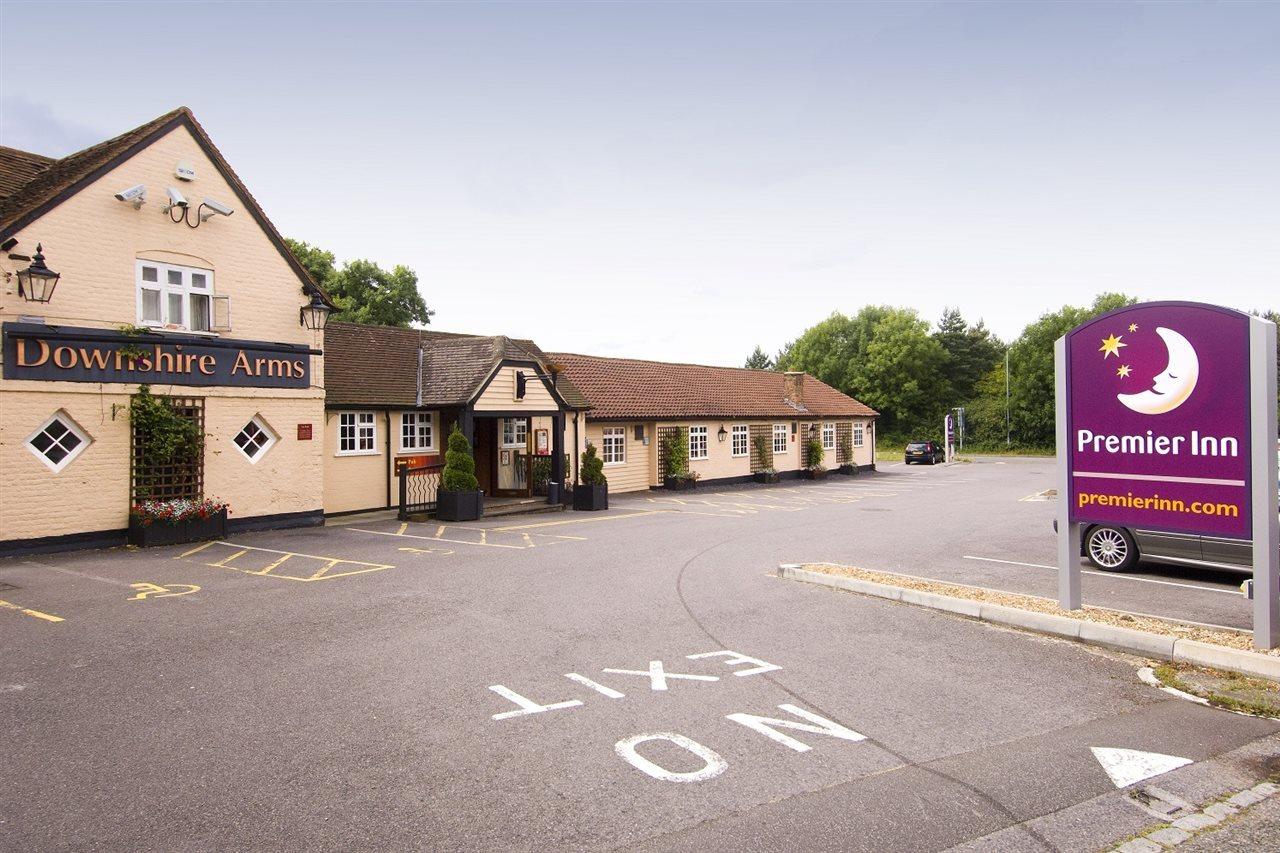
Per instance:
(626,388)
(27,192)
(378,365)
(19,168)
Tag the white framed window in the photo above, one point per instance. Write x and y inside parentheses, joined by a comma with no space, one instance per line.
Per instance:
(176,297)
(779,438)
(698,442)
(357,434)
(417,431)
(857,435)
(58,441)
(613,449)
(255,439)
(515,432)
(828,436)
(741,440)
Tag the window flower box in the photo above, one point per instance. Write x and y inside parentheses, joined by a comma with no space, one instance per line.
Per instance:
(174,522)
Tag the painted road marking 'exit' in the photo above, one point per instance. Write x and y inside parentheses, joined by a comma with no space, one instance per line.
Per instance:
(659,679)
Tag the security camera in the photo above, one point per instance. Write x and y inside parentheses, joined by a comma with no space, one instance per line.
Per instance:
(217,207)
(176,199)
(137,196)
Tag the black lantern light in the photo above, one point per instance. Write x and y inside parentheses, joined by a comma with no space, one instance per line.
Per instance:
(36,282)
(315,315)
(721,434)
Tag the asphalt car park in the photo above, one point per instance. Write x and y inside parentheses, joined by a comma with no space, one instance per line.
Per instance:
(636,678)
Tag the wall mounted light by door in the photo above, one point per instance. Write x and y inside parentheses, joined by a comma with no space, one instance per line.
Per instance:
(722,434)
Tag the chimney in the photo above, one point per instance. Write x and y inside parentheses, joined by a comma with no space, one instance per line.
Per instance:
(793,387)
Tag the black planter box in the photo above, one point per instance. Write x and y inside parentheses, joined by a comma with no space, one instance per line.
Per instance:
(815,473)
(591,498)
(766,476)
(674,484)
(459,506)
(176,533)
(847,469)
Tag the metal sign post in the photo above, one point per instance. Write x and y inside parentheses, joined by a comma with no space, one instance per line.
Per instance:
(1068,532)
(1266,501)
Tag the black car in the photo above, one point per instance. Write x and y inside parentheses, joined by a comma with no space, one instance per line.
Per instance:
(925,451)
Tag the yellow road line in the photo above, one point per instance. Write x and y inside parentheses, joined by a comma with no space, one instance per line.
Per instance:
(403,527)
(222,564)
(248,548)
(198,549)
(48,617)
(580,521)
(438,539)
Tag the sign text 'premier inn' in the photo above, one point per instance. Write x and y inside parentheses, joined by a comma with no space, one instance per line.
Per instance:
(1158,420)
(96,355)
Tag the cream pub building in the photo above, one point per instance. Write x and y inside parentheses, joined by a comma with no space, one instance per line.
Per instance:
(169,275)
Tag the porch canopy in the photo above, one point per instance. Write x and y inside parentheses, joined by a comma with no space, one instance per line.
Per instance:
(463,377)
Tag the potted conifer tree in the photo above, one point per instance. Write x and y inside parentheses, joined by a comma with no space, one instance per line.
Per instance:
(459,498)
(592,491)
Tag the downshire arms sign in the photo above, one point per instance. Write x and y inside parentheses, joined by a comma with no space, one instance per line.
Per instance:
(60,353)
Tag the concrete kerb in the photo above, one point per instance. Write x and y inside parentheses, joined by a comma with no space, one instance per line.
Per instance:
(1094,633)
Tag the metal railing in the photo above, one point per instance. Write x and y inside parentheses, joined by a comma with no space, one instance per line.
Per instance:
(418,489)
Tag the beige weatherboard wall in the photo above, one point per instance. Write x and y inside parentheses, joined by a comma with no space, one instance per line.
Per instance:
(97,243)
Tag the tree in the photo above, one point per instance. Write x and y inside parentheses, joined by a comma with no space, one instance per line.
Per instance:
(1031,369)
(972,351)
(363,291)
(759,360)
(459,465)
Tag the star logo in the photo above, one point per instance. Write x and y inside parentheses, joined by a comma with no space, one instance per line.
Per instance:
(1111,346)
(1133,327)
(1123,371)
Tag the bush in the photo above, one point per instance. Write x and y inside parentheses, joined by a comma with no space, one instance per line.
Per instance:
(459,465)
(591,471)
(675,454)
(814,453)
(764,449)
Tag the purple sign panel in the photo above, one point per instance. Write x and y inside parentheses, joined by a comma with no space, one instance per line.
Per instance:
(1158,419)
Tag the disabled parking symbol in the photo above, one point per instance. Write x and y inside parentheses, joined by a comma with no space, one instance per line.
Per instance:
(153,590)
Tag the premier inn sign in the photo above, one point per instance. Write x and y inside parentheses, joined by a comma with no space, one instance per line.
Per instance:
(61,353)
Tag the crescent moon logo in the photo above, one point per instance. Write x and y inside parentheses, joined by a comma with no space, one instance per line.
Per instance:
(1171,387)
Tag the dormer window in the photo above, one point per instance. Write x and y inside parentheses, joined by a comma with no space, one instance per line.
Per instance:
(174,297)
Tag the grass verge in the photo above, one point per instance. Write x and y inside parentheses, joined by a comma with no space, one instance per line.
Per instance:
(1228,690)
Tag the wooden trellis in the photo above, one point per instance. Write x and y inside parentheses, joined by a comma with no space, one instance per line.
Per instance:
(844,444)
(663,434)
(765,431)
(178,479)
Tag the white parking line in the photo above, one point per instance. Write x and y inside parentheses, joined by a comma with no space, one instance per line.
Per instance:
(1111,575)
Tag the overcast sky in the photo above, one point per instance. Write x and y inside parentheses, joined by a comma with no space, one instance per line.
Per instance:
(685,180)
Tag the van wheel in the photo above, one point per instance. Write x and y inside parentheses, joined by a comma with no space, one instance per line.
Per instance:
(1111,549)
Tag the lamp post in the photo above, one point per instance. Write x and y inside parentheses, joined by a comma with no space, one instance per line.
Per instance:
(315,315)
(36,282)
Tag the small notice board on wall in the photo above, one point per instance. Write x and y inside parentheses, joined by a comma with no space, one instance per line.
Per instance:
(542,442)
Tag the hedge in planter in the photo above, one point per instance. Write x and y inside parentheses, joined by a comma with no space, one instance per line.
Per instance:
(813,464)
(675,454)
(592,491)
(846,452)
(764,450)
(459,498)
